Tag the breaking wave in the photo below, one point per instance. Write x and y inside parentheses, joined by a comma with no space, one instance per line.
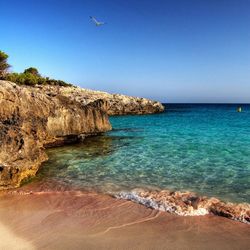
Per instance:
(187,204)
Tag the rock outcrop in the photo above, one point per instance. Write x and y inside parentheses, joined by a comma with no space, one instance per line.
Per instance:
(115,104)
(31,120)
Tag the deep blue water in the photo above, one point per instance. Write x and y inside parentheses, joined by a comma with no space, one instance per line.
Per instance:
(200,147)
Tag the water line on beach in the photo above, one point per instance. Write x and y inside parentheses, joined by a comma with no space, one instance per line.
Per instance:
(158,213)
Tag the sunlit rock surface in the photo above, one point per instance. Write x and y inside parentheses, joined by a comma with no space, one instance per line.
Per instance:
(31,119)
(114,104)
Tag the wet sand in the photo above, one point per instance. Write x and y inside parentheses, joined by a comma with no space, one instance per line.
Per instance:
(81,220)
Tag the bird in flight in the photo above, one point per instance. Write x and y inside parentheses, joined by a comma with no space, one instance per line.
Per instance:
(97,23)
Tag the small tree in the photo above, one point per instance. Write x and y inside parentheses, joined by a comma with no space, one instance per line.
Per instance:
(30,79)
(3,64)
(32,70)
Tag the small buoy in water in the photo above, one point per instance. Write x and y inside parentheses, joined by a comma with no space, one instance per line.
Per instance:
(239,109)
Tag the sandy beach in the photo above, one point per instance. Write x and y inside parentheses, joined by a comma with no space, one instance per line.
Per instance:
(83,220)
(124,125)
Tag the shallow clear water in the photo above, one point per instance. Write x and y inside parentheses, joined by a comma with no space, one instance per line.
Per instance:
(201,148)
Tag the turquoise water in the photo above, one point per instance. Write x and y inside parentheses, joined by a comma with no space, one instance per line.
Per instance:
(201,148)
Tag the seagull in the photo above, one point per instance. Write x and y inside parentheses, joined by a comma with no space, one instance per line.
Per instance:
(96,22)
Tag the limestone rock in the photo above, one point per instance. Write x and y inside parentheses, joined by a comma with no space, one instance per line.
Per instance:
(30,119)
(114,104)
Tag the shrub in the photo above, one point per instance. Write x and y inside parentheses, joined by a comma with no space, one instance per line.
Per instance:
(30,76)
(30,79)
(33,71)
(22,78)
(41,81)
(12,77)
(3,64)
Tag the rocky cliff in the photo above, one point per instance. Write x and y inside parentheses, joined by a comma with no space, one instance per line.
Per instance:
(33,118)
(30,120)
(115,104)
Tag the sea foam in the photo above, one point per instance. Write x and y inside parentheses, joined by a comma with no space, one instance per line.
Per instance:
(187,204)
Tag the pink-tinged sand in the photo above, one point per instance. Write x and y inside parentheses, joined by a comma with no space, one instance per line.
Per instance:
(81,220)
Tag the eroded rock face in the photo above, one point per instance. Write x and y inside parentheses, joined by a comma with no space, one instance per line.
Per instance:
(115,104)
(31,119)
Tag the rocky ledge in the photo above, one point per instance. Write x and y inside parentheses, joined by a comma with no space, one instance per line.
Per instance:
(33,118)
(115,104)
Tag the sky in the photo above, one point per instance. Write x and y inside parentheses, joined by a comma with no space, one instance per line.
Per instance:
(171,51)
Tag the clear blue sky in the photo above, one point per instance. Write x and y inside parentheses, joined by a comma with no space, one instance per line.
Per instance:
(173,51)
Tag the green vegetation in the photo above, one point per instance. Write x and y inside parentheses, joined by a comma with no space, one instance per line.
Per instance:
(32,71)
(32,79)
(30,76)
(3,63)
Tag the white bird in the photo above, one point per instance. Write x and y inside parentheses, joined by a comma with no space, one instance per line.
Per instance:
(96,22)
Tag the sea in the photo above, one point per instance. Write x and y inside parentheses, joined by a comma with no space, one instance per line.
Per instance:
(203,148)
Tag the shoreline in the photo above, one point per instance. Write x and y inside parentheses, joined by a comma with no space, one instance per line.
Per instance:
(180,203)
(85,220)
(188,204)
